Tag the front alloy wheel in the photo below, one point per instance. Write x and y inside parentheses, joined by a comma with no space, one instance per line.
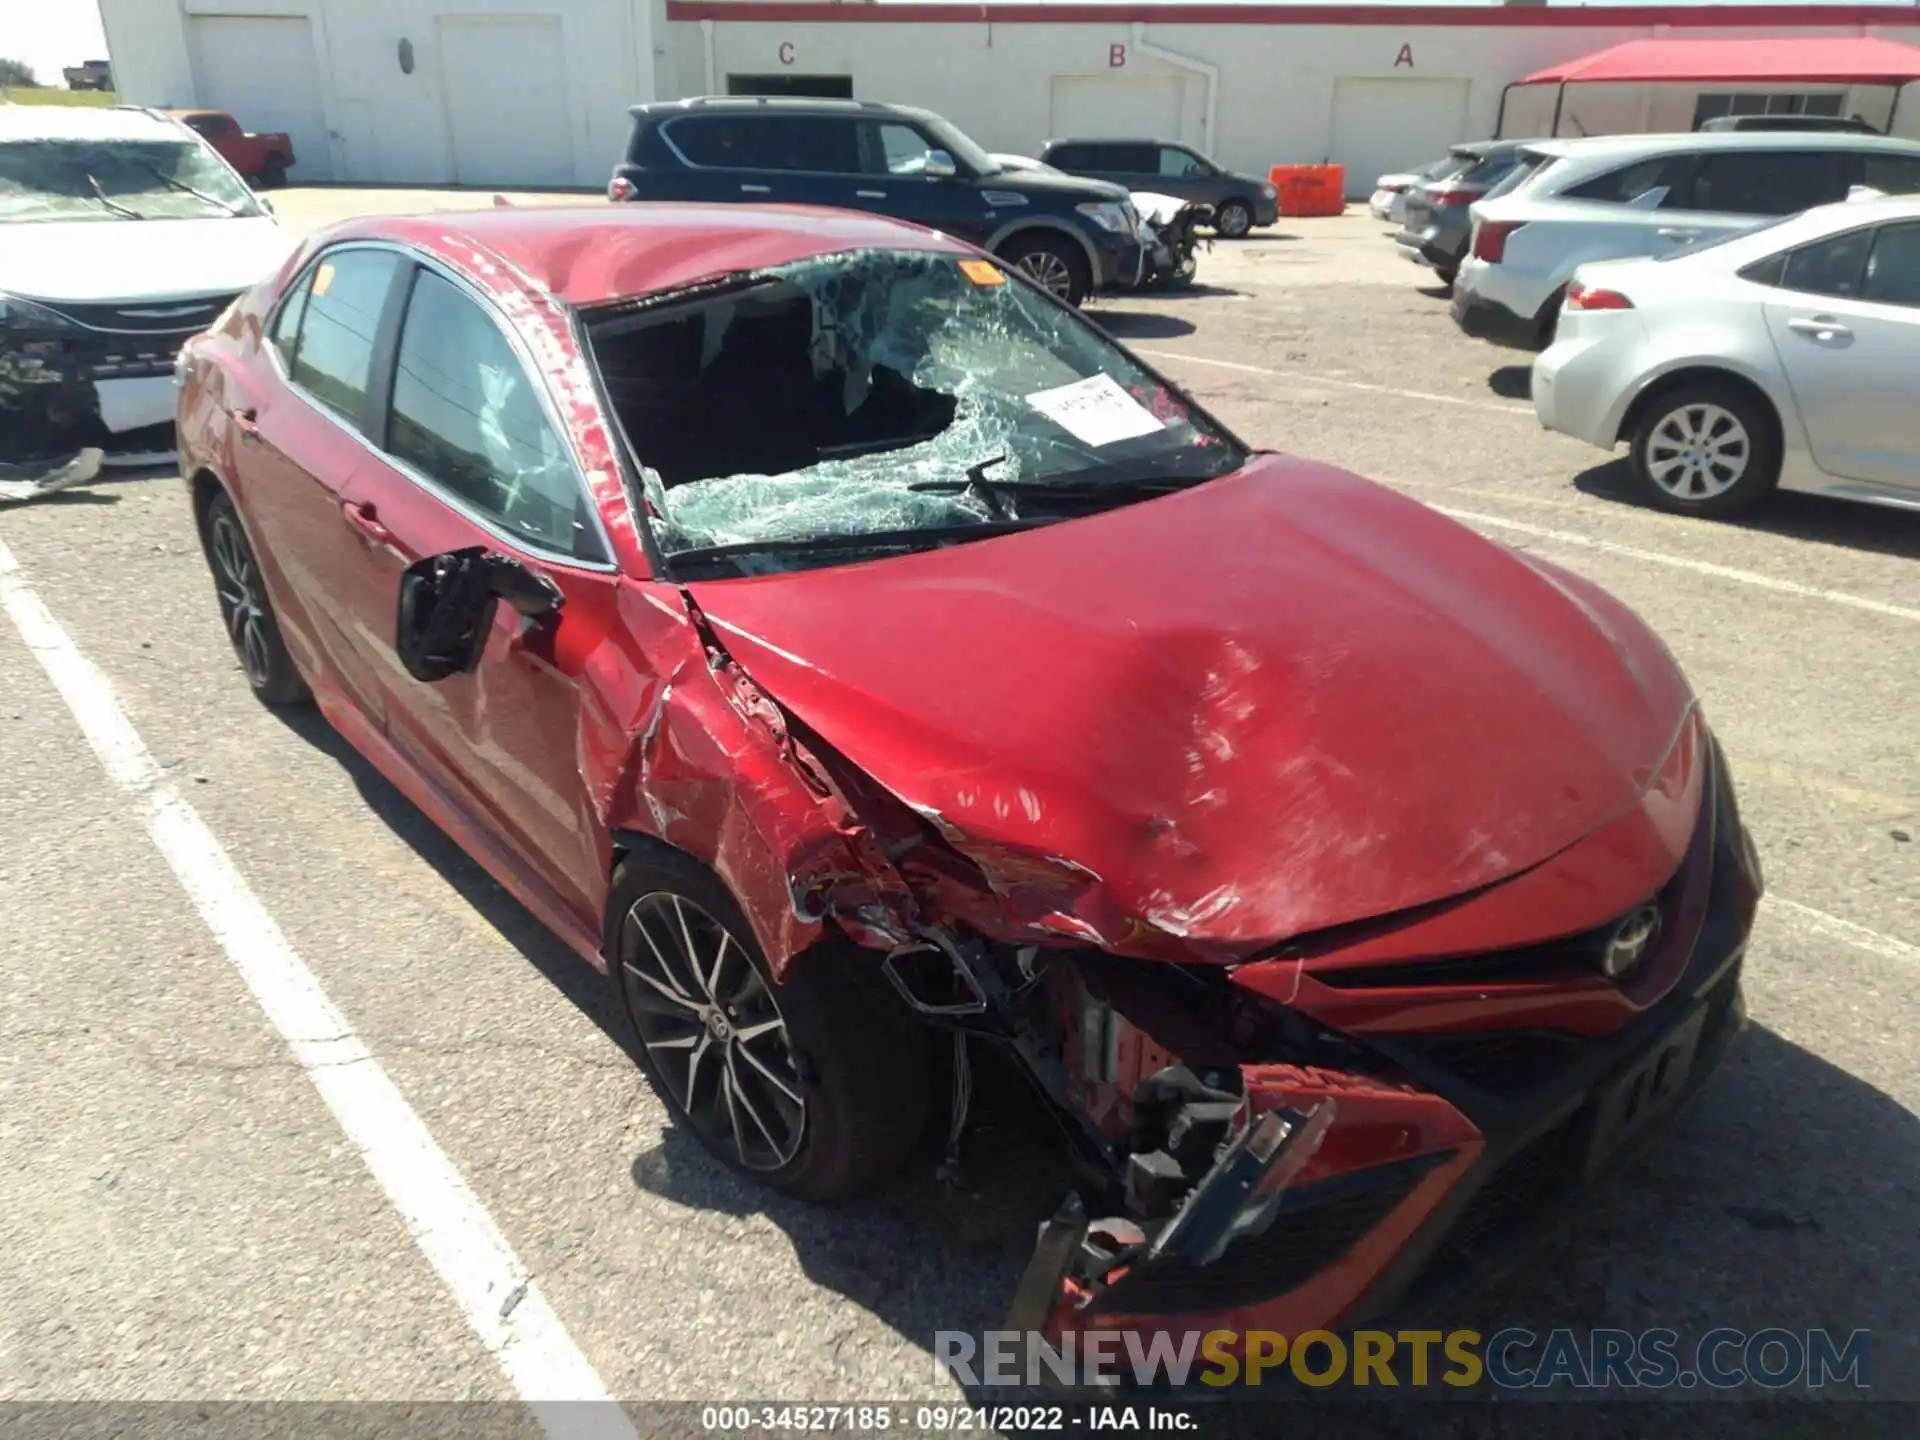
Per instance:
(713,1030)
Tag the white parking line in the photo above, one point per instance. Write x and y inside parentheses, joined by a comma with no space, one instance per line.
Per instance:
(493,1289)
(1845,931)
(1681,562)
(1307,379)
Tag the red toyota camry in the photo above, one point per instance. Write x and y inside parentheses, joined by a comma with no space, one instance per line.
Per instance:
(844,646)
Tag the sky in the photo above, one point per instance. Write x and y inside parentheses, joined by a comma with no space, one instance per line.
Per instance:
(51,34)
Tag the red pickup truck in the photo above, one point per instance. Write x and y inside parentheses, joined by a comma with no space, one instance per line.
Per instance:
(263,159)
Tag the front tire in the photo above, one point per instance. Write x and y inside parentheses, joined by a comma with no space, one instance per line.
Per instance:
(1705,448)
(245,610)
(1233,219)
(1055,265)
(817,1085)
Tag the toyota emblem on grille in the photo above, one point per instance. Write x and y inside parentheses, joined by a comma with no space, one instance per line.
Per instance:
(1630,942)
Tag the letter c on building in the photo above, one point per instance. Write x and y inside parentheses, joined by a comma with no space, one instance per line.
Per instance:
(786,52)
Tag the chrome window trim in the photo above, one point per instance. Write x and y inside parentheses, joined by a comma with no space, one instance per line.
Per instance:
(458,504)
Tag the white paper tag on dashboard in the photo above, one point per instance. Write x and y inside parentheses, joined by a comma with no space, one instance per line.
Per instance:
(1095,410)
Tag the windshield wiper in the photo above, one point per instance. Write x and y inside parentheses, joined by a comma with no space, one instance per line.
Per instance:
(101,195)
(872,540)
(186,189)
(995,493)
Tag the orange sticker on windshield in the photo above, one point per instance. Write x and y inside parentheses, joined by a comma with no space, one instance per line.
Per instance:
(982,272)
(323,279)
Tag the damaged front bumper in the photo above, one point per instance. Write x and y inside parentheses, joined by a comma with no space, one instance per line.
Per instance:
(74,376)
(1382,1175)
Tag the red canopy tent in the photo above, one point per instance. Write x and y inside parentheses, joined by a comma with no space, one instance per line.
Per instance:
(1816,59)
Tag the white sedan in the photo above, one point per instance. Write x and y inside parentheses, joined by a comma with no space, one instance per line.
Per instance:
(1389,200)
(1784,356)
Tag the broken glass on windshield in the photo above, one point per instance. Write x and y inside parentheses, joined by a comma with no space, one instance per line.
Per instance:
(875,392)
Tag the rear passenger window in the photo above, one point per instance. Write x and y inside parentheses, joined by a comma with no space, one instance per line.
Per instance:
(1891,174)
(344,298)
(1893,271)
(1769,182)
(769,142)
(1069,157)
(1630,182)
(467,415)
(1833,266)
(1128,159)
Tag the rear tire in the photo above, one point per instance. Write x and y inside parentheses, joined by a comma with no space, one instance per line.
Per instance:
(273,174)
(1055,265)
(817,1085)
(1233,219)
(245,610)
(1705,448)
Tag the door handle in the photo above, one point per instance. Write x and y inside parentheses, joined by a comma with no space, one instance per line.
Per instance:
(247,423)
(1674,232)
(363,519)
(871,194)
(757,189)
(1821,327)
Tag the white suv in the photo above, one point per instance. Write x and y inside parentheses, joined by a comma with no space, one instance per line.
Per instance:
(1625,196)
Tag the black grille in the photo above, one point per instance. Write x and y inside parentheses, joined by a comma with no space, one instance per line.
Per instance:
(1508,1064)
(1514,1196)
(1307,1235)
(149,317)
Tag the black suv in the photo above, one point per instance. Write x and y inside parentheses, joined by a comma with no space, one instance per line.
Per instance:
(1239,202)
(1071,235)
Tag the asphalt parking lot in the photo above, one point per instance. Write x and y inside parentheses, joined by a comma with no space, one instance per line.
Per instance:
(182,1218)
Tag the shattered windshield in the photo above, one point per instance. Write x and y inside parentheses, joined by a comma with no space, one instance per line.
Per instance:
(117,180)
(923,397)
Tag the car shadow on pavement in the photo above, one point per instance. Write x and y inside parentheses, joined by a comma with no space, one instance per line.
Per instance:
(586,987)
(1141,324)
(1439,290)
(1512,382)
(1877,529)
(1783,1196)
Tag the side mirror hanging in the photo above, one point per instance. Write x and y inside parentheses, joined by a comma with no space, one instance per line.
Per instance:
(447,603)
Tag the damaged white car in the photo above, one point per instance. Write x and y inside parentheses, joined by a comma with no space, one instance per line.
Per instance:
(122,234)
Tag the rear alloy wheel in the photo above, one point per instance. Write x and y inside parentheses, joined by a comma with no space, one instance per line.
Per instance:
(1233,219)
(1704,449)
(245,610)
(817,1085)
(1051,264)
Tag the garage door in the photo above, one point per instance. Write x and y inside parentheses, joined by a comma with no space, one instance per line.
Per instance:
(261,68)
(1140,106)
(1385,125)
(506,88)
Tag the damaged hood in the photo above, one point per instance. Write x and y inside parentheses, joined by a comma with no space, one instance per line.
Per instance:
(107,261)
(1285,700)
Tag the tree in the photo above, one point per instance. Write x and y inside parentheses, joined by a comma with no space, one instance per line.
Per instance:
(17,72)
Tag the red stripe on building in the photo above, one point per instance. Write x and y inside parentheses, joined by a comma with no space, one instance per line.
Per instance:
(865,12)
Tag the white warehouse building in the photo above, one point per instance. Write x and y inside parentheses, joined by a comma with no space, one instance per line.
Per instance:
(534,92)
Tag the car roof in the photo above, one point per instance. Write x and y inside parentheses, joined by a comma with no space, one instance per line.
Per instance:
(84,122)
(1118,140)
(775,104)
(592,254)
(1604,146)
